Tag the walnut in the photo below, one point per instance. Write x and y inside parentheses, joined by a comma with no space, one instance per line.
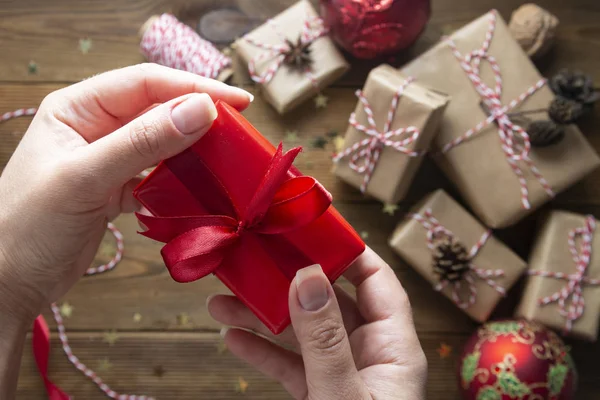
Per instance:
(533,28)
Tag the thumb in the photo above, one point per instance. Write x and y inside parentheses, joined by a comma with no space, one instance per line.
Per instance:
(317,321)
(160,133)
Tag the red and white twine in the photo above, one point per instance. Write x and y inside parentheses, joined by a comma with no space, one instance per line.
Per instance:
(312,29)
(436,232)
(514,139)
(573,290)
(174,44)
(364,155)
(62,334)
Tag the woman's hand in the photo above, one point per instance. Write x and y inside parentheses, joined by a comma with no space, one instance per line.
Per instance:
(76,167)
(341,348)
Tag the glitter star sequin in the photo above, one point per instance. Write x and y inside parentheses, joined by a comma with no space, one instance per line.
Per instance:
(242,385)
(321,101)
(66,310)
(390,209)
(104,364)
(137,317)
(444,350)
(110,337)
(85,45)
(183,319)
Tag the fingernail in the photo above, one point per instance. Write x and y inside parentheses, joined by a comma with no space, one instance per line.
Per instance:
(311,284)
(195,113)
(224,331)
(209,298)
(250,96)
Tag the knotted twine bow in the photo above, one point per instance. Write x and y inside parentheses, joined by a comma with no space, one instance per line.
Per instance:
(435,232)
(313,29)
(574,288)
(197,245)
(365,153)
(515,141)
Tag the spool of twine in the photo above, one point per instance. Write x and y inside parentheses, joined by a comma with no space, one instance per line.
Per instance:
(167,41)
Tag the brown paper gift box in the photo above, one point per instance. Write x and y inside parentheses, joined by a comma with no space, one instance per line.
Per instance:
(409,240)
(551,254)
(417,107)
(289,86)
(479,167)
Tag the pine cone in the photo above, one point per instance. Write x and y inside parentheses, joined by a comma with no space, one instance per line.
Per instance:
(574,85)
(299,55)
(545,133)
(566,111)
(450,260)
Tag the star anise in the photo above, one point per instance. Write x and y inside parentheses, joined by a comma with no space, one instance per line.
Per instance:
(299,54)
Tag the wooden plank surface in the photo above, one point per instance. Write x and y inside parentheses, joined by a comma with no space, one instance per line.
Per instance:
(49,32)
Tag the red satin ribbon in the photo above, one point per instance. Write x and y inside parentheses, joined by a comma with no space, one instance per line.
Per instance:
(41,352)
(196,245)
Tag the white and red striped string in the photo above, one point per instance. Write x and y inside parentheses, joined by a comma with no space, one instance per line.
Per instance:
(364,154)
(514,139)
(312,29)
(172,43)
(62,334)
(436,232)
(573,290)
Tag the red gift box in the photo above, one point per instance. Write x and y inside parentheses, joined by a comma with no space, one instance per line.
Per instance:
(234,205)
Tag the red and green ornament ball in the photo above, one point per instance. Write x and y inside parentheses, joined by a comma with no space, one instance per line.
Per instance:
(516,360)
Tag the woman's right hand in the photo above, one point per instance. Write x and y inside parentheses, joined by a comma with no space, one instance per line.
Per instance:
(342,348)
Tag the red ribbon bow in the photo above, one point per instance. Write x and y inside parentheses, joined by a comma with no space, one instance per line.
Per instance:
(197,245)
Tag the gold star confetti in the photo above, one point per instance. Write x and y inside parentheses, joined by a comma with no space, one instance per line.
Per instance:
(242,385)
(104,364)
(110,337)
(319,142)
(390,209)
(321,101)
(364,235)
(221,347)
(338,143)
(137,317)
(32,67)
(158,371)
(183,319)
(444,350)
(66,310)
(291,136)
(85,45)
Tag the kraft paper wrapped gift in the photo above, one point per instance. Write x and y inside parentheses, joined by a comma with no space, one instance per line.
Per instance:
(390,131)
(484,155)
(561,270)
(491,268)
(284,84)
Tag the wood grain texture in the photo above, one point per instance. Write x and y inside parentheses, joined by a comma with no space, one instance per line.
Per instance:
(49,32)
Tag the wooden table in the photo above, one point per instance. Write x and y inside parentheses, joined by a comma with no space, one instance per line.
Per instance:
(159,356)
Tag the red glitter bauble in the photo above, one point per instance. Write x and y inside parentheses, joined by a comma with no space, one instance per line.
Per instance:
(372,28)
(509,360)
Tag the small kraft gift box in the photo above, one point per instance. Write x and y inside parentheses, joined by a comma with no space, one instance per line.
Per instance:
(292,57)
(457,254)
(563,288)
(483,145)
(233,205)
(390,131)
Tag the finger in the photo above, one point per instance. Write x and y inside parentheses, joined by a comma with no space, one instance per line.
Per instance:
(122,201)
(159,134)
(380,295)
(121,94)
(282,365)
(317,321)
(229,310)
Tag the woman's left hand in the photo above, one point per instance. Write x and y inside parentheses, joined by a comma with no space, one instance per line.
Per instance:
(76,167)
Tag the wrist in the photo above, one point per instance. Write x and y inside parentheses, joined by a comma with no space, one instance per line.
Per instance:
(17,305)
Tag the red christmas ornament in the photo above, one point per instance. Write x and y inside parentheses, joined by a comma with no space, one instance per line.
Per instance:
(371,28)
(516,360)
